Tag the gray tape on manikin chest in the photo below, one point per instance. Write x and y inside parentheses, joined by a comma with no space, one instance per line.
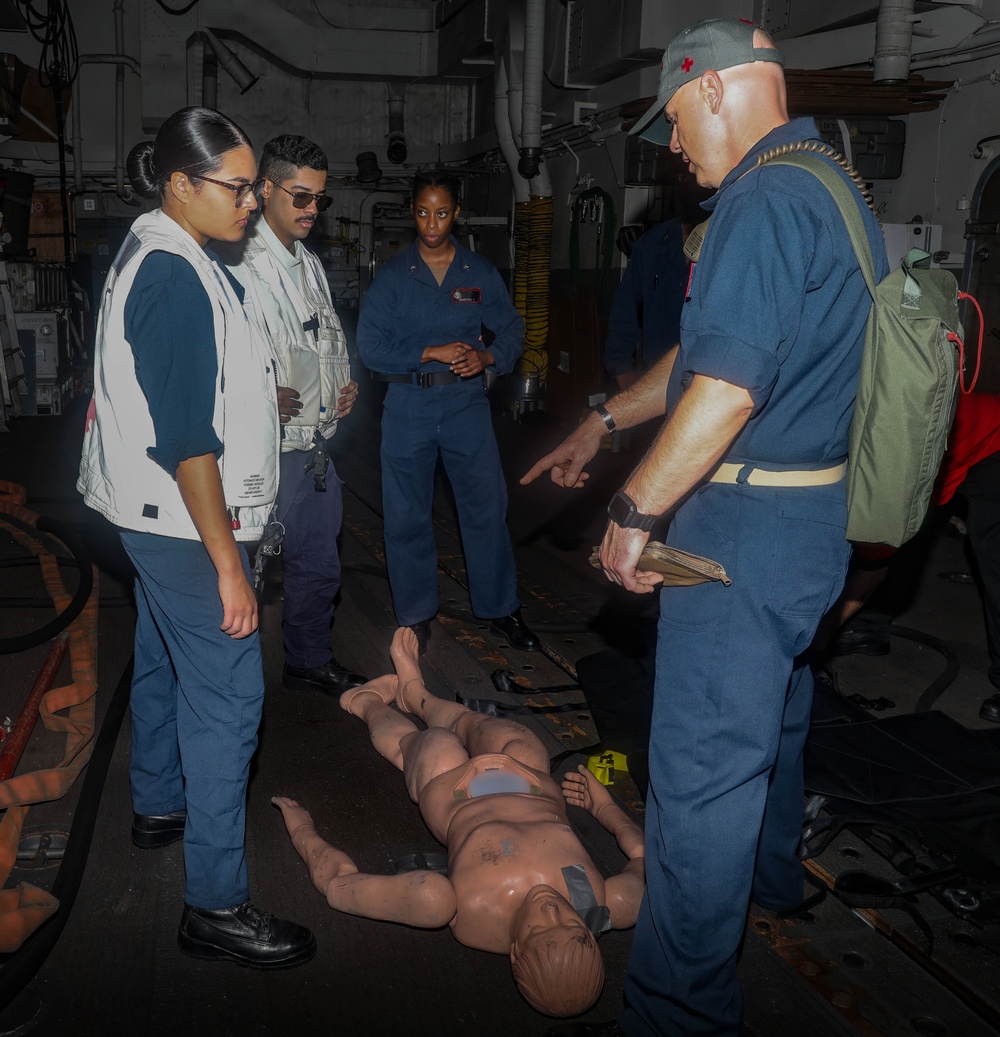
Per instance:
(581,895)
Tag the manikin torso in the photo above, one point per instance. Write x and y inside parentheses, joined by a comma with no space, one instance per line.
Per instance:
(499,847)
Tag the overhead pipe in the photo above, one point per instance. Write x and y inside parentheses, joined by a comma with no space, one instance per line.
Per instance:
(122,61)
(531,104)
(371,16)
(76,140)
(209,78)
(238,72)
(979,45)
(505,133)
(366,271)
(119,101)
(395,149)
(894,41)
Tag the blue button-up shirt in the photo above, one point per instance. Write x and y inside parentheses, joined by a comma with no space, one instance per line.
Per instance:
(778,305)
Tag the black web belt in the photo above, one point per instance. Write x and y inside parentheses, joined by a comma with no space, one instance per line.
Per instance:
(422,379)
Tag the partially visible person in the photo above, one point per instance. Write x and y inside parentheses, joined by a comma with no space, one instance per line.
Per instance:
(644,322)
(519,881)
(181,454)
(970,469)
(750,463)
(421,330)
(289,296)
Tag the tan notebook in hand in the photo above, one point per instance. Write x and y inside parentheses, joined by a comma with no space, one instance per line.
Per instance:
(679,568)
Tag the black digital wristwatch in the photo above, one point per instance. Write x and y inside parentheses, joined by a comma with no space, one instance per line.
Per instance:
(623,512)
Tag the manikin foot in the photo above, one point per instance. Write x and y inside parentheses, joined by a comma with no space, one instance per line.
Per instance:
(381,689)
(405,652)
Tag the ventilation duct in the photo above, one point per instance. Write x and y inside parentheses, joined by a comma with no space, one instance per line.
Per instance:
(395,150)
(893,41)
(531,103)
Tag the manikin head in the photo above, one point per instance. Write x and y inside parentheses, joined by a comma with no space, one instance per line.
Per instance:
(294,192)
(554,957)
(722,90)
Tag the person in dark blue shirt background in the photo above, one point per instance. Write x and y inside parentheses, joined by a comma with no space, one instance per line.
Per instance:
(645,317)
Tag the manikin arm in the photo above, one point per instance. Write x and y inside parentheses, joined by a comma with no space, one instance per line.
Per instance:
(623,892)
(425,899)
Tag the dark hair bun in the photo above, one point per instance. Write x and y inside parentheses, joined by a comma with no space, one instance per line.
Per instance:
(139,165)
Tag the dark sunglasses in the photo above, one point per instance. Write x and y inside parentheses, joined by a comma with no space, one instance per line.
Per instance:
(241,190)
(300,199)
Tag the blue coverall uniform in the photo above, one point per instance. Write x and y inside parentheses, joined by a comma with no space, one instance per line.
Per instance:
(777,305)
(404,311)
(646,310)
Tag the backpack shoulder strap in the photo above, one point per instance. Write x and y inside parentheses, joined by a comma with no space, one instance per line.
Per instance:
(845,200)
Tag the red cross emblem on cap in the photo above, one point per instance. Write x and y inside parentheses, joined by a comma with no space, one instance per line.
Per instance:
(687,64)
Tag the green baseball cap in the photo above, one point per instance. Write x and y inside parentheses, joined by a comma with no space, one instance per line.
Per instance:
(707,46)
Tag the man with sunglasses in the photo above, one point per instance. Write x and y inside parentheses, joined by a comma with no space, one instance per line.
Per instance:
(288,295)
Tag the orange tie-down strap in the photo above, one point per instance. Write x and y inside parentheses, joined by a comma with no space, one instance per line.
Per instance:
(68,710)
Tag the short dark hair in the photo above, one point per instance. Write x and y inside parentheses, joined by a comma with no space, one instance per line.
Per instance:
(283,155)
(192,140)
(437,178)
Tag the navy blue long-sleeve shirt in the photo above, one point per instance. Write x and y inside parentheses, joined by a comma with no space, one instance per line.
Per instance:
(170,327)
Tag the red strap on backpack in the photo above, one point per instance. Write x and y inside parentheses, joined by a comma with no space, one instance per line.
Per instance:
(953,337)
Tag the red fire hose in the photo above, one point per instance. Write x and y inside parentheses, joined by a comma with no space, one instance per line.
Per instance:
(14,743)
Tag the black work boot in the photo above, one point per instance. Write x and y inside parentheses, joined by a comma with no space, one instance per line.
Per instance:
(244,935)
(517,632)
(331,678)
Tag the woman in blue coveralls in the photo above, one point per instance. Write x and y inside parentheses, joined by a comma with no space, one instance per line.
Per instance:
(420,330)
(180,453)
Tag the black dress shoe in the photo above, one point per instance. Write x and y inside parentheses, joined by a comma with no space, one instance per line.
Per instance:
(245,935)
(331,677)
(990,709)
(517,632)
(151,831)
(423,632)
(861,642)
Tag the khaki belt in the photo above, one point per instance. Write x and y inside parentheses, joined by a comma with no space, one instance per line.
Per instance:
(728,472)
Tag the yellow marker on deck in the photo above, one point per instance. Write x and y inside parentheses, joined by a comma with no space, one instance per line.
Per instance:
(605,765)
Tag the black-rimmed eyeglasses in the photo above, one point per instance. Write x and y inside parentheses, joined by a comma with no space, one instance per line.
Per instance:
(301,199)
(242,191)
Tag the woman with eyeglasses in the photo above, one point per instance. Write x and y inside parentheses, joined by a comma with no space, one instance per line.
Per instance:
(180,453)
(421,329)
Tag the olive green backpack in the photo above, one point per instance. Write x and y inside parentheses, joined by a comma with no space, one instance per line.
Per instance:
(910,373)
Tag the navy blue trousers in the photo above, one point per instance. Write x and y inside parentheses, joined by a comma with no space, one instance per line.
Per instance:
(418,426)
(730,718)
(310,559)
(981,489)
(196,705)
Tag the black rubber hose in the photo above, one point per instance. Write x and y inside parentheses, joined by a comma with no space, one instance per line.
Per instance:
(20,968)
(933,690)
(22,643)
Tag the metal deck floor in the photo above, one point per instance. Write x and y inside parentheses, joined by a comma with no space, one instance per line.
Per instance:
(116,970)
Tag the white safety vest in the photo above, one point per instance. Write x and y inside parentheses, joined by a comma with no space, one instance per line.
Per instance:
(117,476)
(306,337)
